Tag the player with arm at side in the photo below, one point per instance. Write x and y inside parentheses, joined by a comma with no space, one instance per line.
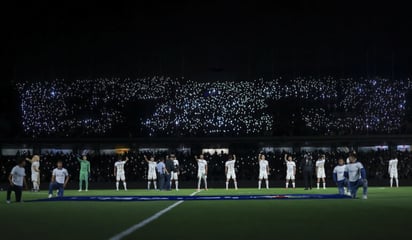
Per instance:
(151,172)
(175,172)
(119,172)
(35,172)
(84,172)
(393,171)
(339,176)
(17,179)
(230,171)
(290,171)
(356,174)
(320,171)
(202,171)
(263,170)
(60,178)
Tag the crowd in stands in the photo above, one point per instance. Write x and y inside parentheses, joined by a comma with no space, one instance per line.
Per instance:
(179,107)
(102,166)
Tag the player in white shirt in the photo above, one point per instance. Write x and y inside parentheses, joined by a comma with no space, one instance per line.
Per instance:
(230,171)
(35,172)
(356,174)
(339,176)
(320,171)
(175,173)
(59,180)
(393,171)
(290,171)
(17,179)
(263,171)
(119,172)
(151,172)
(202,171)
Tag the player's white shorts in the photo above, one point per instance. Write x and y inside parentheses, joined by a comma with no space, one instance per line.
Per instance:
(263,175)
(35,177)
(174,176)
(393,174)
(152,175)
(321,174)
(231,175)
(201,174)
(290,176)
(120,176)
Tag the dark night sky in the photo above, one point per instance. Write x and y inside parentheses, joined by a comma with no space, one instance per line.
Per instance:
(239,40)
(227,40)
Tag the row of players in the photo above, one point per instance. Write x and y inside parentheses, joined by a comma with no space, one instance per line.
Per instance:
(352,175)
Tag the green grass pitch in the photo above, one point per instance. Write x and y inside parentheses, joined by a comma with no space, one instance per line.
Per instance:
(385,215)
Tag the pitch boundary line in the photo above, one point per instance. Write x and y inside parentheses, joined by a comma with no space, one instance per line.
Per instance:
(143,223)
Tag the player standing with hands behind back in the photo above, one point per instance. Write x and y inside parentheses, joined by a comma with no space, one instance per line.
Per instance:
(393,171)
(263,170)
(84,172)
(202,171)
(230,171)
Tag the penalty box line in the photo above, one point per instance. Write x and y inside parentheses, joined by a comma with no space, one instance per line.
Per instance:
(148,220)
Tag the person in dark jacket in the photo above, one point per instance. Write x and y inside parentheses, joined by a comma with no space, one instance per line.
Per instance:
(169,168)
(307,169)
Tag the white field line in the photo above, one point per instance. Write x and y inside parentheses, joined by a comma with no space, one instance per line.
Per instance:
(143,223)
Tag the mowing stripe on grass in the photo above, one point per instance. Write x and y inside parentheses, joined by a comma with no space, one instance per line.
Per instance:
(147,220)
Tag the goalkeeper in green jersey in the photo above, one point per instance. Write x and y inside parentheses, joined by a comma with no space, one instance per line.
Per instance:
(84,172)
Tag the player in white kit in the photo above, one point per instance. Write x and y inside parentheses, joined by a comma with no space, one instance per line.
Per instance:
(263,171)
(202,171)
(175,173)
(320,171)
(356,174)
(393,171)
(119,172)
(339,176)
(290,171)
(60,178)
(151,172)
(35,172)
(230,171)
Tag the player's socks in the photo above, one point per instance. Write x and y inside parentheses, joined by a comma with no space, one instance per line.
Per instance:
(287,185)
(317,184)
(198,183)
(227,185)
(148,185)
(124,185)
(293,184)
(155,185)
(205,184)
(80,186)
(235,185)
(267,184)
(177,185)
(324,185)
(259,184)
(397,182)
(117,186)
(391,182)
(87,185)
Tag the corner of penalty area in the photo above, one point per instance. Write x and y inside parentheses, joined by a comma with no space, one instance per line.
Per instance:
(193,198)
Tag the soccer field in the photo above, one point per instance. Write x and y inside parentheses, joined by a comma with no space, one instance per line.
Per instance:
(385,215)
